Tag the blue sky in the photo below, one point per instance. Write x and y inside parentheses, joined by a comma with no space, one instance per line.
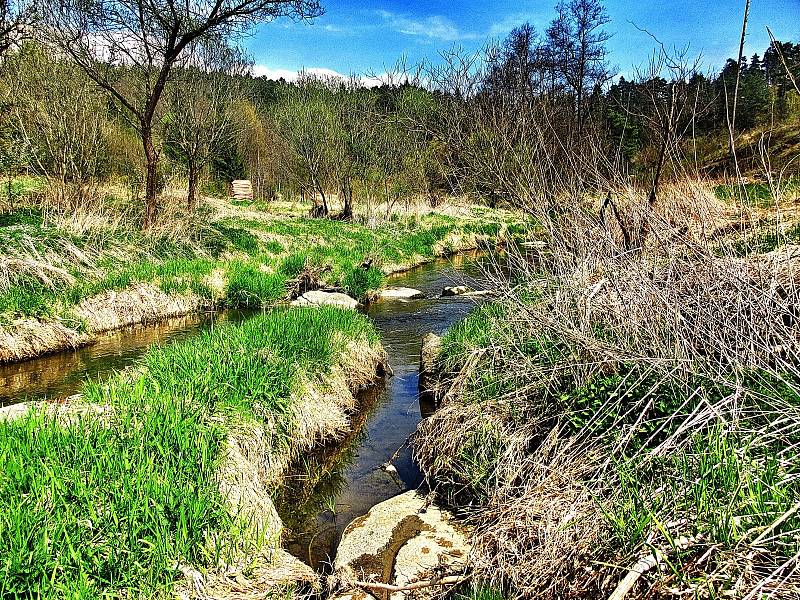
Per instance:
(371,35)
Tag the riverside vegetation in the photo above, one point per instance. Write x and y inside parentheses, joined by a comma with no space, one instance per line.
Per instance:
(71,276)
(139,480)
(626,424)
(622,422)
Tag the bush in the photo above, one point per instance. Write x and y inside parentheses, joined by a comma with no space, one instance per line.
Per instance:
(358,281)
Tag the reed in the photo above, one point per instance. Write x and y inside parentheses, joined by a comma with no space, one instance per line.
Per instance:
(629,406)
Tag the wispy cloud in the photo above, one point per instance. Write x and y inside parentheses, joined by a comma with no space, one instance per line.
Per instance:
(503,27)
(335,29)
(435,27)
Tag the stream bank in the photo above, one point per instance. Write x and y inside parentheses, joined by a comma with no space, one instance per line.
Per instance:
(354,482)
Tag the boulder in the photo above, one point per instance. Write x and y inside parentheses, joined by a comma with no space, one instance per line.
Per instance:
(428,375)
(12,412)
(320,298)
(401,540)
(401,293)
(456,290)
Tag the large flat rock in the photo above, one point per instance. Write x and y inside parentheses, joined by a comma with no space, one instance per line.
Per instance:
(320,298)
(401,293)
(401,540)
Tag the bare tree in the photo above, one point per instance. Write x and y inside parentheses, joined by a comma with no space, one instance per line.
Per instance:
(200,102)
(130,48)
(667,108)
(577,44)
(16,18)
(307,123)
(57,120)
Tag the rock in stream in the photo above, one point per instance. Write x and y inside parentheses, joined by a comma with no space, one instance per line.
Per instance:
(428,375)
(401,541)
(320,298)
(401,293)
(463,290)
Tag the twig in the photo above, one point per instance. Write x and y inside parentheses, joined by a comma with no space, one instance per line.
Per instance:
(643,565)
(450,580)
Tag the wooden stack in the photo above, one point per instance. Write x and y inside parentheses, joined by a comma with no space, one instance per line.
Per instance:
(241,189)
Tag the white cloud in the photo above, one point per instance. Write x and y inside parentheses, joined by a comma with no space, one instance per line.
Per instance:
(434,27)
(289,75)
(504,27)
(370,80)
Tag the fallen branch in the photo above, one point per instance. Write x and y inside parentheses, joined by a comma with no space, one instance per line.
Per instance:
(387,587)
(643,565)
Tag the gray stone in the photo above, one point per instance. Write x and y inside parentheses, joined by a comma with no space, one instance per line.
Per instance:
(13,412)
(401,539)
(401,293)
(456,290)
(463,290)
(320,298)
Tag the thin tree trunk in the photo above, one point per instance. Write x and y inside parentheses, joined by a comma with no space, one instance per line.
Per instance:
(151,180)
(347,209)
(191,201)
(732,119)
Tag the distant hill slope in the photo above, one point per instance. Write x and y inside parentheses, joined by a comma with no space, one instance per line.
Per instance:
(775,148)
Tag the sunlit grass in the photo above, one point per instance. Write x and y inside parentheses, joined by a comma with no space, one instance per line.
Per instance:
(113,504)
(255,257)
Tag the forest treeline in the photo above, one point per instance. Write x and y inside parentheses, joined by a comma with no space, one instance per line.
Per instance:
(520,115)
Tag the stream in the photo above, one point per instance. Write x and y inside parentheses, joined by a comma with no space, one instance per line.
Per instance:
(337,483)
(340,483)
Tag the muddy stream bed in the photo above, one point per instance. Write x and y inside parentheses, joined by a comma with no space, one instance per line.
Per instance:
(335,484)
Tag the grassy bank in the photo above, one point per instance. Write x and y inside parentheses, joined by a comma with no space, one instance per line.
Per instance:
(166,469)
(67,275)
(628,422)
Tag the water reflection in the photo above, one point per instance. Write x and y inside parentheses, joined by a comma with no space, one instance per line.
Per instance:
(62,374)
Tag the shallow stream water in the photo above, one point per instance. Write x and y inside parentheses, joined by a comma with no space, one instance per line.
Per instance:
(343,482)
(338,483)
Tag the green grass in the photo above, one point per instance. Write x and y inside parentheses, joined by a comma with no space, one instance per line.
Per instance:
(96,509)
(255,256)
(358,281)
(758,194)
(765,240)
(478,592)
(729,486)
(251,287)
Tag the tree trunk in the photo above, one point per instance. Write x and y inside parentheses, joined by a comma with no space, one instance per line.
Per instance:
(347,209)
(151,181)
(191,200)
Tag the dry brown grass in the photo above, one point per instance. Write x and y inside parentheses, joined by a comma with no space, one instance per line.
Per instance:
(545,494)
(28,338)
